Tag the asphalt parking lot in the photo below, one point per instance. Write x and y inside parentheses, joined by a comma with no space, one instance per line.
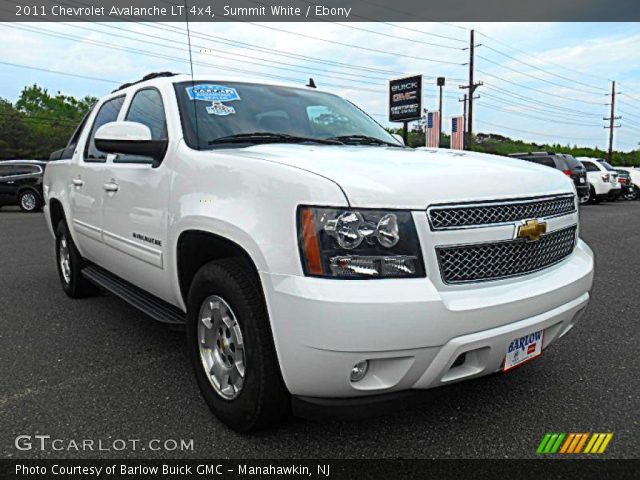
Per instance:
(99,369)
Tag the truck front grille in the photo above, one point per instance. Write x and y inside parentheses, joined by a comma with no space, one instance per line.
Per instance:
(475,215)
(492,261)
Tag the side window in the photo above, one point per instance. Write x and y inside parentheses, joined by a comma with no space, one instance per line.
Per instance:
(6,170)
(548,161)
(146,108)
(73,141)
(590,167)
(108,113)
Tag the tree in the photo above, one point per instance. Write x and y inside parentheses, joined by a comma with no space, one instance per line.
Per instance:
(40,123)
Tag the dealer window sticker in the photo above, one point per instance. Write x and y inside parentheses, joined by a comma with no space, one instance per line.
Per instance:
(212,93)
(220,109)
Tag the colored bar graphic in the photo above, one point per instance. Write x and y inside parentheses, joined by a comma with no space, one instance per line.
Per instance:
(573,443)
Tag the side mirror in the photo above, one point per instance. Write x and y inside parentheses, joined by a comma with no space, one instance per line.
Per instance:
(398,138)
(130,138)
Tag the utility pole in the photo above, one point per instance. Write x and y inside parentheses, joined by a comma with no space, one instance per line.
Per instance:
(464,112)
(612,118)
(472,88)
(440,83)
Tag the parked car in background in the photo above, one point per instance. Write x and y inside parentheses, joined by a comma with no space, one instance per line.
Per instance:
(634,176)
(603,180)
(21,184)
(565,163)
(627,190)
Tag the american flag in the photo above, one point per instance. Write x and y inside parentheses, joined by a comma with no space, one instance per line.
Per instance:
(457,133)
(433,129)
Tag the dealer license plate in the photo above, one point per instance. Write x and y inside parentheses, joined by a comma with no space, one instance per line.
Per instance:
(523,349)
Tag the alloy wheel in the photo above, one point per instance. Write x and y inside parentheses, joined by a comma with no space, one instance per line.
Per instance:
(221,346)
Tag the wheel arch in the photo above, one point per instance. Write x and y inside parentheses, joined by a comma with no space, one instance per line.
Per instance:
(56,212)
(195,248)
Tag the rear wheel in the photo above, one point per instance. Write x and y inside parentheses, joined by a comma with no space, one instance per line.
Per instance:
(592,196)
(231,347)
(29,201)
(69,263)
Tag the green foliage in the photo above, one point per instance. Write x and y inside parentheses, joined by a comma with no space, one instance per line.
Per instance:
(501,145)
(39,122)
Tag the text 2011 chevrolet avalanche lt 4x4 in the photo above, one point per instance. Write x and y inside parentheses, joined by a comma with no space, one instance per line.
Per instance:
(315,261)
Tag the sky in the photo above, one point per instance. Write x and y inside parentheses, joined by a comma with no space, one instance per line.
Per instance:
(542,82)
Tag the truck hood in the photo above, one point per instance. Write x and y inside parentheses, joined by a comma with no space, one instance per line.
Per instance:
(387,177)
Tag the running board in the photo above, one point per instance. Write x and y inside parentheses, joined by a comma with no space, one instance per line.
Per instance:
(145,302)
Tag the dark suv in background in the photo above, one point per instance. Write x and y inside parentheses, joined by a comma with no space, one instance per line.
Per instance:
(21,184)
(568,164)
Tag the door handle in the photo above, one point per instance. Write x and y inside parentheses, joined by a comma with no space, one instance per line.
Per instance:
(78,182)
(11,182)
(111,187)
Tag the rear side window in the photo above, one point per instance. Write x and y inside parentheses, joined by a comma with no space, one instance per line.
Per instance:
(572,162)
(146,108)
(548,161)
(108,113)
(590,167)
(25,169)
(6,170)
(607,166)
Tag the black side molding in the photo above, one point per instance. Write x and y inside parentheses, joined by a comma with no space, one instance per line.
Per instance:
(145,302)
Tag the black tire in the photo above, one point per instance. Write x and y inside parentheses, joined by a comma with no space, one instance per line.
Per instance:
(29,201)
(77,286)
(263,399)
(592,196)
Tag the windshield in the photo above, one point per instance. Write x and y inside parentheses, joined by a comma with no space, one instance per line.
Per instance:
(227,109)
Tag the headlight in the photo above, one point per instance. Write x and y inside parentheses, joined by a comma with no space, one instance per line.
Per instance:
(348,243)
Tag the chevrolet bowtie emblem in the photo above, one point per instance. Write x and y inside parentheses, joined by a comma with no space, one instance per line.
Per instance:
(532,230)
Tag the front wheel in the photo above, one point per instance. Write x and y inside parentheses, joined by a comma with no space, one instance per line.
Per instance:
(29,201)
(231,347)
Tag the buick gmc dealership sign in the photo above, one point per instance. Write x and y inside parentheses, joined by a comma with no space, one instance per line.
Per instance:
(405,99)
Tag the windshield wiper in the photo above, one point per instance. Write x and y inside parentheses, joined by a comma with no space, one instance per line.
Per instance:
(363,140)
(267,137)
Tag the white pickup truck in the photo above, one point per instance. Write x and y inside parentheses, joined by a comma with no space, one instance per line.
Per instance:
(315,261)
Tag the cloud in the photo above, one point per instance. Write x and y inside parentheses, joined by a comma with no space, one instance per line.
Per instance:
(588,53)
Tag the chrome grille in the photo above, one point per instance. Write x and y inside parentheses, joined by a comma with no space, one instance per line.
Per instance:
(461,216)
(492,261)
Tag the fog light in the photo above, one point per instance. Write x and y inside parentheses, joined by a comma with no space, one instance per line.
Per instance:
(359,370)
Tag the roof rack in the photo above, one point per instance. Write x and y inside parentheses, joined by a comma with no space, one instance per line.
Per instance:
(149,76)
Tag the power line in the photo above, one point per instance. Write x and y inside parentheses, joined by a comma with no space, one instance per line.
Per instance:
(515,59)
(519,96)
(534,133)
(556,65)
(350,45)
(535,109)
(542,92)
(18,65)
(527,115)
(176,59)
(534,77)
(231,58)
